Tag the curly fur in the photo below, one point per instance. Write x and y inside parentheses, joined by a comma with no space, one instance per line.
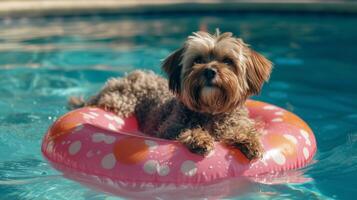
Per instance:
(197,111)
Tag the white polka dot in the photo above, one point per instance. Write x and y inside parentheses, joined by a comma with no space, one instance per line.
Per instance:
(306,152)
(108,117)
(101,137)
(108,161)
(94,114)
(291,138)
(118,120)
(87,116)
(78,128)
(304,133)
(152,144)
(280,113)
(74,147)
(278,158)
(163,170)
(109,139)
(306,136)
(270,107)
(189,168)
(277,120)
(97,137)
(112,127)
(151,166)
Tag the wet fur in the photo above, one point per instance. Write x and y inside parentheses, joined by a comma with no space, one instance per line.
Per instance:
(183,108)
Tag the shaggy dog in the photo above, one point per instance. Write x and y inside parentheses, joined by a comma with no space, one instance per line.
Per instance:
(210,78)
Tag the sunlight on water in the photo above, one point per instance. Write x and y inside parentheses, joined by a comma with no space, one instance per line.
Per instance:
(43,61)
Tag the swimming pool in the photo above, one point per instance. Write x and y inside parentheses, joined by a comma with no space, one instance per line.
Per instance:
(45,60)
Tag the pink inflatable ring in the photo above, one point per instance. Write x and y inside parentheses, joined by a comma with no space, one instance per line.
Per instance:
(102,150)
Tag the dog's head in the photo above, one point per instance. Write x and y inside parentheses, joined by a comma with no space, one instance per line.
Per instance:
(215,73)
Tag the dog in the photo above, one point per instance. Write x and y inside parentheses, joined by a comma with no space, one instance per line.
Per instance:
(209,80)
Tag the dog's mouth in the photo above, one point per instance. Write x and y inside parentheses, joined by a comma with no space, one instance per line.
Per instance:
(210,83)
(213,95)
(212,98)
(211,88)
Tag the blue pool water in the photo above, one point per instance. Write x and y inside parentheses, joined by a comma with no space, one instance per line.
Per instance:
(45,60)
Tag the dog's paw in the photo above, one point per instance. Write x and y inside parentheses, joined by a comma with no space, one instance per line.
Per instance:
(202,148)
(197,141)
(251,151)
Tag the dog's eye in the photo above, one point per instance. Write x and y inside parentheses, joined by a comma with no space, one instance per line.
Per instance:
(228,61)
(198,60)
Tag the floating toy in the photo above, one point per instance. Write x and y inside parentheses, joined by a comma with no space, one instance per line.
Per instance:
(109,153)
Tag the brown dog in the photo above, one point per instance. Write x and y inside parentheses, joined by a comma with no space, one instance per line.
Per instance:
(210,78)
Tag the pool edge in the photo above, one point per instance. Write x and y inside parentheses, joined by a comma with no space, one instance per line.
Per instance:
(32,8)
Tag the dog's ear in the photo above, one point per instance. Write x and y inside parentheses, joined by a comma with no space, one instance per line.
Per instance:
(172,66)
(258,71)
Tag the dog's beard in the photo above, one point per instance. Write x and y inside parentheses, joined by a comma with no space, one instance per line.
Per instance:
(221,95)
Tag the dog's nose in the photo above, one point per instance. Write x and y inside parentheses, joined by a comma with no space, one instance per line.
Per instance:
(210,73)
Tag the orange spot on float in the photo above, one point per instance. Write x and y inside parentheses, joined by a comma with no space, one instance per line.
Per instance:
(131,150)
(64,124)
(287,117)
(286,147)
(290,118)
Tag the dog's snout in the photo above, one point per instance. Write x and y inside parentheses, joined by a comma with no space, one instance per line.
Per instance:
(210,73)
